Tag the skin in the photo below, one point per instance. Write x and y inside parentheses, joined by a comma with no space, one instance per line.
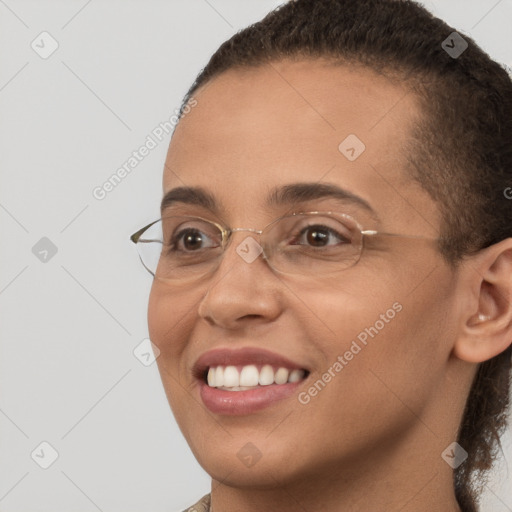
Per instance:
(372,438)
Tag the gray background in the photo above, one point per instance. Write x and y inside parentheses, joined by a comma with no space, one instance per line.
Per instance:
(68,375)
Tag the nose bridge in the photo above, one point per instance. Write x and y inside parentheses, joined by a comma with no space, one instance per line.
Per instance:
(247,247)
(236,292)
(245,251)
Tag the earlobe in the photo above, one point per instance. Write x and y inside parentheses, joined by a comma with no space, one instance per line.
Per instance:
(486,326)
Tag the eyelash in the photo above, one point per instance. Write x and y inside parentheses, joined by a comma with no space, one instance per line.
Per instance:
(331,232)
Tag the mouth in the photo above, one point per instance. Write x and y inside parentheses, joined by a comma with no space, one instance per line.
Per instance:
(244,381)
(252,376)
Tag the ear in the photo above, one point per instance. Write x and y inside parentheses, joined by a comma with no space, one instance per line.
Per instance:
(486,320)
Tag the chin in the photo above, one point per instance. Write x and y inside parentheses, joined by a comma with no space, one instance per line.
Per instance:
(250,461)
(262,475)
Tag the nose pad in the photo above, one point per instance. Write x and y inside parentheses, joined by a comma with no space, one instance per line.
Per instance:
(246,246)
(249,249)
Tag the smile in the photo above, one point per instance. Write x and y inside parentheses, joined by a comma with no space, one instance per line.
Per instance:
(247,380)
(242,378)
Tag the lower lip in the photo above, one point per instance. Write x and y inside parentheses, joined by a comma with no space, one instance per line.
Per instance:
(232,403)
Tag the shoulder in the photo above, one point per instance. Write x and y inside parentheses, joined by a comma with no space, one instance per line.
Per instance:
(203,505)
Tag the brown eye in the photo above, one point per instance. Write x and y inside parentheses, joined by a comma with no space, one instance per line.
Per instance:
(319,236)
(191,238)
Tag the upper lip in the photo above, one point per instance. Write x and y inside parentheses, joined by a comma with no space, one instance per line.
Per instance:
(241,356)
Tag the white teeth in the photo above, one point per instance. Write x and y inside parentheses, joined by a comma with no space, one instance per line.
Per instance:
(211,377)
(249,377)
(295,375)
(238,388)
(266,376)
(231,377)
(281,376)
(219,375)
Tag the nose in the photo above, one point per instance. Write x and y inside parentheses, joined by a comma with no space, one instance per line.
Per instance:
(243,288)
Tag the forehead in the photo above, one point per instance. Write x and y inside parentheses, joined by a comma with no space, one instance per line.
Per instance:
(255,129)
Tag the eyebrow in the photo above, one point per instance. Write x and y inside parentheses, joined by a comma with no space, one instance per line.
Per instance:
(291,194)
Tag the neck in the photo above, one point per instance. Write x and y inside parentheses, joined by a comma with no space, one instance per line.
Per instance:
(377,480)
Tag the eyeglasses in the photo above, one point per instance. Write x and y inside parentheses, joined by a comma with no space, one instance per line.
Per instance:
(178,248)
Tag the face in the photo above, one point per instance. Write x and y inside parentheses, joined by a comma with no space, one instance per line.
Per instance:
(379,330)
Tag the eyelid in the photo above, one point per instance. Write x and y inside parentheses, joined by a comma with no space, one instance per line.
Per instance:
(351,210)
(361,216)
(185,211)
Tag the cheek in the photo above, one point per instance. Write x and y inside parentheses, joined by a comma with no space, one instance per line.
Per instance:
(170,320)
(338,311)
(171,317)
(393,349)
(395,329)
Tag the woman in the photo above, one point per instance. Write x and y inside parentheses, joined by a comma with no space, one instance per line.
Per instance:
(332,298)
